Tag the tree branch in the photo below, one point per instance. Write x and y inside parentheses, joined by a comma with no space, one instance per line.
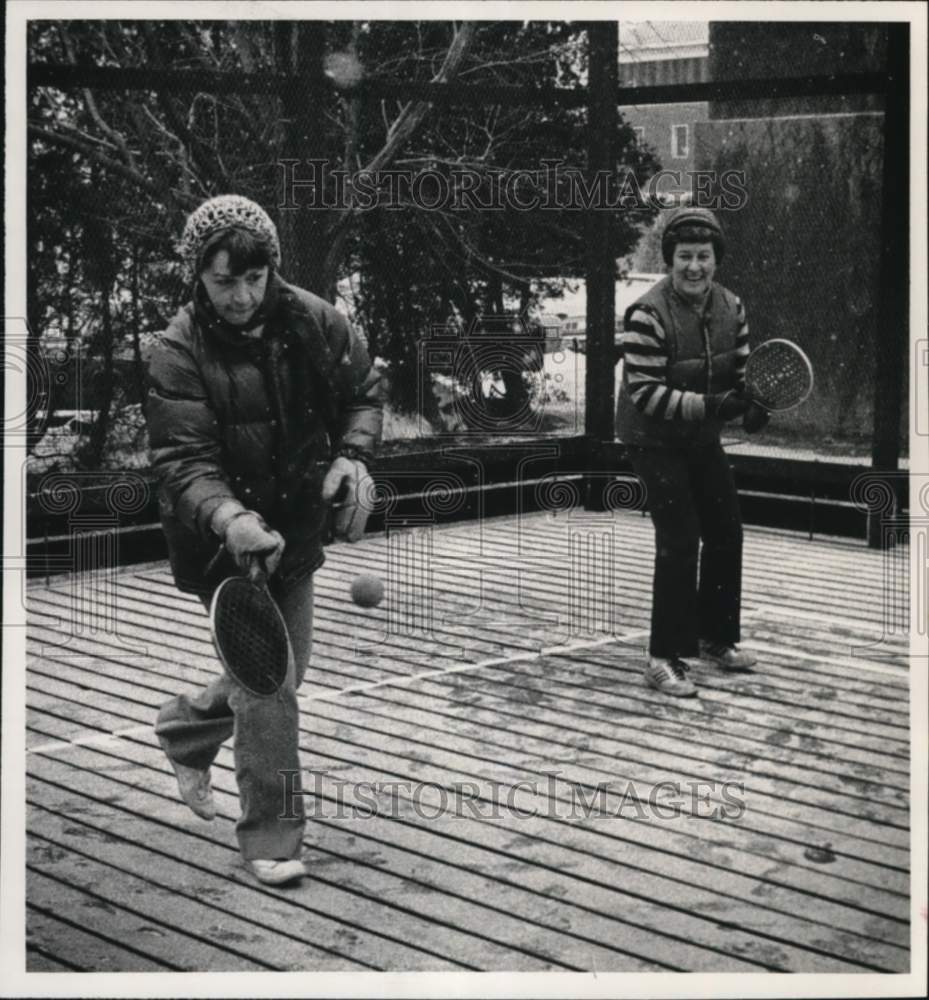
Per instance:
(403,127)
(133,176)
(118,141)
(412,114)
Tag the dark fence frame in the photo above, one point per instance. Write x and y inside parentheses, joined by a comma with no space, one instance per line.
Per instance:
(813,496)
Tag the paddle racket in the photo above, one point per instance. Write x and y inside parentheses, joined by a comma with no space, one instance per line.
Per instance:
(778,375)
(249,633)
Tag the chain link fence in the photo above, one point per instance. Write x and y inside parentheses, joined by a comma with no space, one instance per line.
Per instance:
(453,232)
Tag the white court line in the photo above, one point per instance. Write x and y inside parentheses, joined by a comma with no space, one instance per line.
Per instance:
(528,657)
(98,739)
(101,739)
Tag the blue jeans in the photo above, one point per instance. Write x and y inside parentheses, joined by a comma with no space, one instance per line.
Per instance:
(265,732)
(691,497)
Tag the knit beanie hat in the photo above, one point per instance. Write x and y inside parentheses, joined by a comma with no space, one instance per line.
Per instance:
(692,225)
(227,211)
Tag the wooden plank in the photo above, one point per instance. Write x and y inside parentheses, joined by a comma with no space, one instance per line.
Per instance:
(623,907)
(343,608)
(642,760)
(753,693)
(521,931)
(143,627)
(323,630)
(444,945)
(750,934)
(631,575)
(668,836)
(218,872)
(703,716)
(110,909)
(834,843)
(596,853)
(796,558)
(595,763)
(660,830)
(105,714)
(627,749)
(222,910)
(819,737)
(58,940)
(776,743)
(808,883)
(639,764)
(799,579)
(642,709)
(821,693)
(790,661)
(737,743)
(774,680)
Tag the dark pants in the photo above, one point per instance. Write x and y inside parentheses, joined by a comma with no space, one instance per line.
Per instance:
(691,497)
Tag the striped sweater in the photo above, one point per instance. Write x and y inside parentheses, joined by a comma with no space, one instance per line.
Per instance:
(645,353)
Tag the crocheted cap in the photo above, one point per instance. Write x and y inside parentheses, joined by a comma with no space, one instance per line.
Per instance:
(227,211)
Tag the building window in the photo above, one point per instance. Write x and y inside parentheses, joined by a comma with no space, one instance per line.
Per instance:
(639,131)
(680,141)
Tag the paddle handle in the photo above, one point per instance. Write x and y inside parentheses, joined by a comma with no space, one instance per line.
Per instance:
(257,572)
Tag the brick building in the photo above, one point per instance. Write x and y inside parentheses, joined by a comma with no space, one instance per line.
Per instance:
(652,53)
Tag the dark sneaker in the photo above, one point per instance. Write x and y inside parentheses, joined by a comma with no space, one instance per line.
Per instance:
(277,872)
(727,656)
(670,677)
(196,789)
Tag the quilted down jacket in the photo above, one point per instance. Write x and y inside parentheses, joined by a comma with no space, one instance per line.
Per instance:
(258,421)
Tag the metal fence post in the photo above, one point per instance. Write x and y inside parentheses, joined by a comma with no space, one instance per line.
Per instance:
(893,300)
(603,71)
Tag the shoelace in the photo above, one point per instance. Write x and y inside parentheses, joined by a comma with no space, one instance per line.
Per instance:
(717,648)
(679,668)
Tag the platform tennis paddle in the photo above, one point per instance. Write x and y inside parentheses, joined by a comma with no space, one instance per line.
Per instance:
(778,375)
(249,633)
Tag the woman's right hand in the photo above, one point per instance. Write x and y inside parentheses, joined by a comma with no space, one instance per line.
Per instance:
(726,405)
(247,539)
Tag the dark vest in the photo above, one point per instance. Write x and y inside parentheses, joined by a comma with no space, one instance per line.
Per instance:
(701,358)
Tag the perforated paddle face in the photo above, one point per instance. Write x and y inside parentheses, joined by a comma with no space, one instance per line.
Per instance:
(250,635)
(778,375)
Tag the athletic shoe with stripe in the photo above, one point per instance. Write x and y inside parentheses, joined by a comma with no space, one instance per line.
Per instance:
(727,656)
(670,676)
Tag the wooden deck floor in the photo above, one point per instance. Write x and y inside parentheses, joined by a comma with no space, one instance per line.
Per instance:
(495,708)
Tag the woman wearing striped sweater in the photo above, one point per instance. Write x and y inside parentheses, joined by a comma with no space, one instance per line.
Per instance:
(684,346)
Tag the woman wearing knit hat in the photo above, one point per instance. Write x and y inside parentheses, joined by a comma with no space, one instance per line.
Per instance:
(262,405)
(684,346)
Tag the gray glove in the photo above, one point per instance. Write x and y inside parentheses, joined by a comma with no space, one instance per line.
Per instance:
(252,543)
(344,488)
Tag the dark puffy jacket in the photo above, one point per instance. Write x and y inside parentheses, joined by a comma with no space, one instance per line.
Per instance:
(703,356)
(258,421)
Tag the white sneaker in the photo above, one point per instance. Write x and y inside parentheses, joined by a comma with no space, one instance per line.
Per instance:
(196,789)
(277,872)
